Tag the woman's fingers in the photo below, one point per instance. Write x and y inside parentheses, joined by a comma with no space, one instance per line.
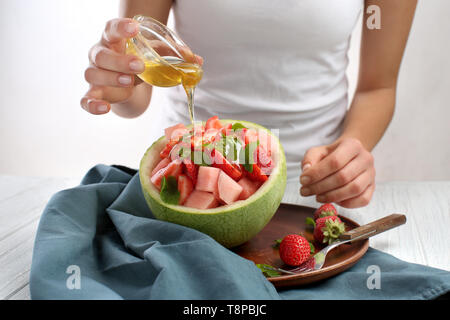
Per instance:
(343,153)
(360,201)
(346,175)
(108,59)
(100,77)
(353,189)
(340,178)
(337,156)
(313,156)
(112,73)
(117,30)
(93,103)
(98,99)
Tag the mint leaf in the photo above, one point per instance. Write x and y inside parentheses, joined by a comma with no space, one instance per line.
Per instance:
(310,222)
(236,126)
(266,271)
(169,190)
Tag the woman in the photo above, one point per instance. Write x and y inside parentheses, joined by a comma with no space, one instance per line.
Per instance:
(280,64)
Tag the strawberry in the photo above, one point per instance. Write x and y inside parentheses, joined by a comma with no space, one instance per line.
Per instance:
(294,249)
(226,129)
(257,174)
(185,187)
(210,135)
(262,157)
(219,161)
(190,169)
(325,210)
(328,229)
(214,123)
(166,151)
(196,142)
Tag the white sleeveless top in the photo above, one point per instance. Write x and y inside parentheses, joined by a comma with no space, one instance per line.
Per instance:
(277,63)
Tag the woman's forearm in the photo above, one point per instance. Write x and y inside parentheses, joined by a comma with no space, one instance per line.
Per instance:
(381,54)
(369,116)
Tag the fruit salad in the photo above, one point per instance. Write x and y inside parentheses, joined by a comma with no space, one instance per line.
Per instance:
(212,164)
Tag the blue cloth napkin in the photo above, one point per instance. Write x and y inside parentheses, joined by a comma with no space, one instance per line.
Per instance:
(99,240)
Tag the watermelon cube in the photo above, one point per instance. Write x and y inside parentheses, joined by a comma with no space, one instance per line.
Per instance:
(229,190)
(173,169)
(162,164)
(201,200)
(185,187)
(207,179)
(175,132)
(249,187)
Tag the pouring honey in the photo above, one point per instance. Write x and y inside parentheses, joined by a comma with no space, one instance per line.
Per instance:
(168,61)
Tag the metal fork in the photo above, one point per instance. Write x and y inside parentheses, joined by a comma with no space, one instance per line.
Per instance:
(317,261)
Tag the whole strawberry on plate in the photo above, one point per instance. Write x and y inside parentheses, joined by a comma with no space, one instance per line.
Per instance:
(294,249)
(325,210)
(328,229)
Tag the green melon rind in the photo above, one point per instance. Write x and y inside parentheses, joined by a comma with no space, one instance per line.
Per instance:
(229,225)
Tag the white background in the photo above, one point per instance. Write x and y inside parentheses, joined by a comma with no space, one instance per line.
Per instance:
(44,132)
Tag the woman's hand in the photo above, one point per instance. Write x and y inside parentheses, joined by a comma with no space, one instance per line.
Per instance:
(111,73)
(342,172)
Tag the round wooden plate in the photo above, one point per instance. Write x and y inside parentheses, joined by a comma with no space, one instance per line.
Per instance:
(291,219)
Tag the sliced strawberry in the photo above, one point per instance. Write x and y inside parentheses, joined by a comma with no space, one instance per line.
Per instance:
(265,140)
(226,129)
(244,172)
(166,151)
(172,169)
(214,123)
(262,157)
(191,170)
(210,135)
(196,142)
(267,171)
(220,162)
(257,174)
(185,187)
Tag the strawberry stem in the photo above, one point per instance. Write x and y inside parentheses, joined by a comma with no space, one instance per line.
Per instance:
(332,230)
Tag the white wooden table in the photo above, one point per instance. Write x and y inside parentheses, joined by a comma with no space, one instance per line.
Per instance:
(423,239)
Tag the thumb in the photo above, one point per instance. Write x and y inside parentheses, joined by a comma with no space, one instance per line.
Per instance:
(313,156)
